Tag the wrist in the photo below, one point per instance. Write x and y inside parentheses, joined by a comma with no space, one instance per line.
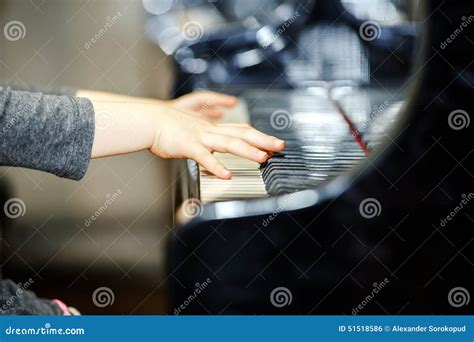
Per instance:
(124,127)
(153,122)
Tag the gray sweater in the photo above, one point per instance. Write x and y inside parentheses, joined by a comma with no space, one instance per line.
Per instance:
(52,133)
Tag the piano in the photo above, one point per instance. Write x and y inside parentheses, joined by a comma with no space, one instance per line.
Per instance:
(348,219)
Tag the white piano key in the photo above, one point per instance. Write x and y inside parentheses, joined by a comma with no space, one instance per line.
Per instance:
(246,181)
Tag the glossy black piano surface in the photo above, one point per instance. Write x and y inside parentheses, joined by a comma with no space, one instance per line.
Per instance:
(356,200)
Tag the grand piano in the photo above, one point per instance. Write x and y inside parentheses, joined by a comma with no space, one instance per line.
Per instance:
(368,209)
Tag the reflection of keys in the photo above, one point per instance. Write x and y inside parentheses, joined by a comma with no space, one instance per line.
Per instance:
(246,181)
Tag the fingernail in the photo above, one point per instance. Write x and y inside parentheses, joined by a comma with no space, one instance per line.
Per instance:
(261,154)
(278,143)
(227,174)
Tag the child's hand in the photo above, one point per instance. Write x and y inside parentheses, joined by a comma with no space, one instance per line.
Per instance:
(175,129)
(182,135)
(205,104)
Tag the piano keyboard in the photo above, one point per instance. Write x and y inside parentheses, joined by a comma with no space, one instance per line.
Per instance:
(319,144)
(246,182)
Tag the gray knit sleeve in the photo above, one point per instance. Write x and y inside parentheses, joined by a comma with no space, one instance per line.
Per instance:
(39,88)
(46,132)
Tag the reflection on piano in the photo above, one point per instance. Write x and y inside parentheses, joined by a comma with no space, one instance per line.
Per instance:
(322,140)
(370,167)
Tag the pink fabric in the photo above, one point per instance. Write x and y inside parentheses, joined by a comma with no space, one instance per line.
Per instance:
(63,307)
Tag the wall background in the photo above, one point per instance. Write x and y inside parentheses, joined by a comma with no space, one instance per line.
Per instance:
(123,248)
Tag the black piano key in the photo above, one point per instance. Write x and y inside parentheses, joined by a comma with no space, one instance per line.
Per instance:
(319,143)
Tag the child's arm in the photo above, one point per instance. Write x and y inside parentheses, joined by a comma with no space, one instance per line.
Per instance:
(123,125)
(205,104)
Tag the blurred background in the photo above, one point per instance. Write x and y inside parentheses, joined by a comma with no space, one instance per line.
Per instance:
(109,230)
(122,249)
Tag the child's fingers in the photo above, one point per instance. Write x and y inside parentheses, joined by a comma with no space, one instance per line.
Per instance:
(206,159)
(245,125)
(251,136)
(228,144)
(212,113)
(211,98)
